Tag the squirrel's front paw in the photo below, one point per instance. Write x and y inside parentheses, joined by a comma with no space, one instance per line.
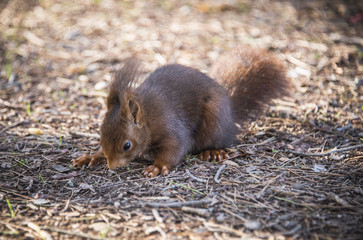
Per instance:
(82,160)
(153,171)
(214,155)
(91,160)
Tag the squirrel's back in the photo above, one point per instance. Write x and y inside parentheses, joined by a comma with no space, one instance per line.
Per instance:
(180,86)
(190,102)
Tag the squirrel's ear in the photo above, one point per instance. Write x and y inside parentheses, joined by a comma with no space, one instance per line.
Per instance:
(135,111)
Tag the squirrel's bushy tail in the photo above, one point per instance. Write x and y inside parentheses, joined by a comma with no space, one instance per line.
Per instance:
(252,79)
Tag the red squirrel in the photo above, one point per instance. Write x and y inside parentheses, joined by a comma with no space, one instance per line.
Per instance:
(179,110)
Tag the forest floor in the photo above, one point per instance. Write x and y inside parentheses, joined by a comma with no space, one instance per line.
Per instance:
(56,60)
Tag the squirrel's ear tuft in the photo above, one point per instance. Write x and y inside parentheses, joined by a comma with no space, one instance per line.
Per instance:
(122,82)
(135,111)
(112,99)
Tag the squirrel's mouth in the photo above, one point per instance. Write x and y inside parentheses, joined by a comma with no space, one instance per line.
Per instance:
(116,163)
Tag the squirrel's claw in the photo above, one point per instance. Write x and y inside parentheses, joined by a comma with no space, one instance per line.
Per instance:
(82,160)
(91,160)
(153,171)
(214,155)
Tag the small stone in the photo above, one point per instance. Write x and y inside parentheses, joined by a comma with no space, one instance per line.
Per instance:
(319,168)
(70,183)
(6,165)
(83,78)
(253,224)
(298,186)
(221,218)
(100,85)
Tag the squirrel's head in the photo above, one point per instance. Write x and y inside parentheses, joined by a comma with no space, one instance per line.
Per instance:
(123,132)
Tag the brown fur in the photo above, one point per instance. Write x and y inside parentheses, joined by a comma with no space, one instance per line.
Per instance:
(179,110)
(252,78)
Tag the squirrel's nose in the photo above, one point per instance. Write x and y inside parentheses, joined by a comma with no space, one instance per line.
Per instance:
(116,163)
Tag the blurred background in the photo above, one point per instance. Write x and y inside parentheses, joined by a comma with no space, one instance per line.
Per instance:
(58,57)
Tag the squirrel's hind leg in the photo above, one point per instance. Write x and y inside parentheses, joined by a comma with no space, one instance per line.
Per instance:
(214,155)
(216,129)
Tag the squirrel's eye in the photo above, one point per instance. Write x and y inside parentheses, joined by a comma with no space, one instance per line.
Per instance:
(127,145)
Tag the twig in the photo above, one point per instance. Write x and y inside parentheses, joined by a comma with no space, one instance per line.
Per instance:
(67,203)
(21,163)
(258,144)
(340,200)
(259,195)
(293,231)
(157,215)
(12,227)
(194,177)
(81,134)
(186,187)
(293,202)
(14,125)
(335,150)
(297,62)
(341,129)
(15,193)
(307,179)
(77,234)
(213,227)
(9,105)
(216,177)
(180,204)
(349,40)
(199,211)
(158,229)
(234,214)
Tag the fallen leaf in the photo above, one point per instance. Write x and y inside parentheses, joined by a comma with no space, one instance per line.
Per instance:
(229,162)
(319,168)
(70,214)
(86,186)
(40,201)
(251,169)
(99,226)
(61,168)
(35,131)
